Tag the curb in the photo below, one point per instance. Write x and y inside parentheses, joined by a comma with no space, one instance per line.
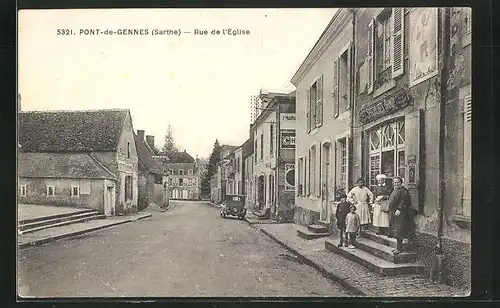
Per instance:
(72,234)
(334,276)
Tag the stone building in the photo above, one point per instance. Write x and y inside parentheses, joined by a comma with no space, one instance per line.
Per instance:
(79,159)
(323,138)
(184,181)
(248,178)
(273,133)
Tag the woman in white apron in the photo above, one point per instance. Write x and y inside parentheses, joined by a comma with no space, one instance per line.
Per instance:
(381,205)
(361,197)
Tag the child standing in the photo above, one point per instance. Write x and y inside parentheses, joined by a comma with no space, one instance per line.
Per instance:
(340,215)
(353,223)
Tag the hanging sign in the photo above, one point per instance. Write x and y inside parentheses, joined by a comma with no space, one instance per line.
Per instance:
(287,140)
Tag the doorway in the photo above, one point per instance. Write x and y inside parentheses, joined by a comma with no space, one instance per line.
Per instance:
(325,183)
(108,201)
(261,192)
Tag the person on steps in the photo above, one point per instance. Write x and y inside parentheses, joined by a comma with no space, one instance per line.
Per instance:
(381,206)
(400,218)
(361,197)
(352,225)
(340,215)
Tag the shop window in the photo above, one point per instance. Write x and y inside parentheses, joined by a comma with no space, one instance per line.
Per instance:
(387,151)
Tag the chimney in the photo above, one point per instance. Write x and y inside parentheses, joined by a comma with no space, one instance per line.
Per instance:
(140,134)
(151,141)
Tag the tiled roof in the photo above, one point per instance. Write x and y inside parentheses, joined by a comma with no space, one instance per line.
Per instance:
(71,131)
(61,165)
(145,158)
(177,166)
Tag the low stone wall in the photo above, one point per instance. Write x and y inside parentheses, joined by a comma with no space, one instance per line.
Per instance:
(305,216)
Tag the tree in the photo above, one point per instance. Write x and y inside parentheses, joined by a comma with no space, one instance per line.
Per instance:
(169,148)
(211,168)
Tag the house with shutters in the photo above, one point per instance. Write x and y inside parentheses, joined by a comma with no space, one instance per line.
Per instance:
(323,141)
(82,159)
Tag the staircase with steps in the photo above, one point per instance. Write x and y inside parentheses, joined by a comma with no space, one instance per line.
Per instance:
(312,231)
(41,223)
(375,253)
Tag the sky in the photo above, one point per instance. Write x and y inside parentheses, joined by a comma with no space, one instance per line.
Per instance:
(199,84)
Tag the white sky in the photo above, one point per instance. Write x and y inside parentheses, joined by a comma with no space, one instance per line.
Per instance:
(201,85)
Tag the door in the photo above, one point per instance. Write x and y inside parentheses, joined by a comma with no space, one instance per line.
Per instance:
(325,182)
(108,201)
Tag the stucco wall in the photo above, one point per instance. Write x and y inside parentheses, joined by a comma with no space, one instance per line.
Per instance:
(37,193)
(127,166)
(333,128)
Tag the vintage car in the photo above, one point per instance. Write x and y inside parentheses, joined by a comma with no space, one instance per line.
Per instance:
(233,205)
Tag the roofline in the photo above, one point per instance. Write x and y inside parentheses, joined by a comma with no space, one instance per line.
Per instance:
(102,165)
(76,110)
(309,58)
(68,177)
(271,103)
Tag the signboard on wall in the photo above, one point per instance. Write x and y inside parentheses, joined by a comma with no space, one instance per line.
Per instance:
(287,139)
(287,120)
(289,177)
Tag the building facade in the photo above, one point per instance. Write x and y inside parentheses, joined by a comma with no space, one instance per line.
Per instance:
(247,166)
(270,156)
(324,106)
(184,181)
(152,177)
(59,164)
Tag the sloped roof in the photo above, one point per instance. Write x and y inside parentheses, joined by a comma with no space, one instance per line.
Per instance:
(177,166)
(61,165)
(144,154)
(180,157)
(71,131)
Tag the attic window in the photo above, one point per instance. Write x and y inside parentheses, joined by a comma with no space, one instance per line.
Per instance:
(51,191)
(190,172)
(181,172)
(128,149)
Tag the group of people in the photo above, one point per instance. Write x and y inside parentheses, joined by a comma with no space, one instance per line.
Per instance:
(390,206)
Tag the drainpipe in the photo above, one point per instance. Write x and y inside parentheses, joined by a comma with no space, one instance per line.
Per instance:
(278,143)
(352,94)
(437,271)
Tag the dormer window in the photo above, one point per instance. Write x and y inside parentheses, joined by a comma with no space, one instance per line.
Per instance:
(181,172)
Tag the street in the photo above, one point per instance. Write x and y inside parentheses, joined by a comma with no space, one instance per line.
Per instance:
(187,251)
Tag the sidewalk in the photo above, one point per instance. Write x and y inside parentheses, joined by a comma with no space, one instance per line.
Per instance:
(352,275)
(53,234)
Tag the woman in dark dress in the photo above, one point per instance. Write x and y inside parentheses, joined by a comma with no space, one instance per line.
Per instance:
(400,216)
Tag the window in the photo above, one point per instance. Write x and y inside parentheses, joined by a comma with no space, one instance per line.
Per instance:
(181,182)
(75,191)
(181,172)
(128,188)
(171,171)
(23,190)
(51,191)
(385,27)
(343,163)
(312,189)
(271,139)
(387,151)
(190,171)
(314,112)
(300,171)
(170,182)
(128,149)
(261,146)
(255,155)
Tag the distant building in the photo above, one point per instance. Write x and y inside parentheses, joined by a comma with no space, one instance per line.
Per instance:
(79,159)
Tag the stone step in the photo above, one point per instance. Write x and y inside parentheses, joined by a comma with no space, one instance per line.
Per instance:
(384,252)
(317,228)
(372,262)
(54,216)
(323,223)
(51,220)
(384,240)
(63,223)
(307,234)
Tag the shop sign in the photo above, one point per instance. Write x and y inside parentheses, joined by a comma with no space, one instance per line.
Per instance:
(289,177)
(411,174)
(385,106)
(288,140)
(287,117)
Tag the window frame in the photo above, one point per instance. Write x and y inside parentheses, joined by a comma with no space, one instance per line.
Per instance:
(73,195)
(48,187)
(190,171)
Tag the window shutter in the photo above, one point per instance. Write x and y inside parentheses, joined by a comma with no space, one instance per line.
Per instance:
(319,100)
(467,190)
(308,111)
(336,87)
(371,53)
(349,78)
(398,17)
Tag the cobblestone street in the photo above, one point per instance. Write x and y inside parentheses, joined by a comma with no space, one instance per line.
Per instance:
(187,251)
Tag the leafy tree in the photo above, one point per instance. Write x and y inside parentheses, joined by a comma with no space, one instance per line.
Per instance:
(211,168)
